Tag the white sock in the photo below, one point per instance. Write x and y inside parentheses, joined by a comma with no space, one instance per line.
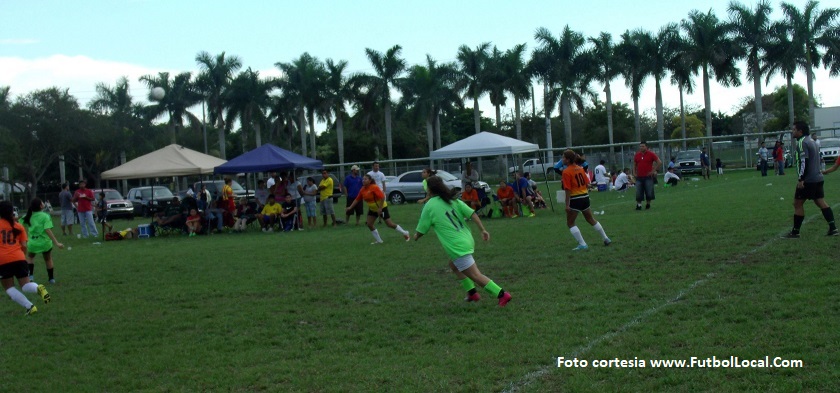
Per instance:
(600,230)
(376,236)
(400,230)
(19,298)
(576,233)
(30,287)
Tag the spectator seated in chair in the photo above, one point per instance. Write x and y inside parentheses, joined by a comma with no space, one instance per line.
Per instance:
(288,214)
(507,197)
(193,222)
(470,197)
(622,181)
(539,201)
(171,219)
(270,212)
(244,214)
(215,213)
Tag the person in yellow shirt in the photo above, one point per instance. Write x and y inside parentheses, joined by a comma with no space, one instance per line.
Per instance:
(325,188)
(268,215)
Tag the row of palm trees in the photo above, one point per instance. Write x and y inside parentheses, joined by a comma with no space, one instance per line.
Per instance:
(567,66)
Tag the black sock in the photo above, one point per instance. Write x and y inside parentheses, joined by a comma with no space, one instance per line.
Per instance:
(501,293)
(797,223)
(31,269)
(50,273)
(471,292)
(829,217)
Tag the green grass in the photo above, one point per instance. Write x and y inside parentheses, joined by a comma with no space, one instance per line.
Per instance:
(703,273)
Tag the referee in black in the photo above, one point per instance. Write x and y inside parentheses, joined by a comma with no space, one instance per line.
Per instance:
(810,182)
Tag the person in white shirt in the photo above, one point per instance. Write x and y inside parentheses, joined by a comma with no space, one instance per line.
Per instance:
(378,177)
(468,175)
(622,181)
(271,181)
(602,177)
(671,178)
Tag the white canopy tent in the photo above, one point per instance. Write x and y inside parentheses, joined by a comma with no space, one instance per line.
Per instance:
(483,144)
(172,160)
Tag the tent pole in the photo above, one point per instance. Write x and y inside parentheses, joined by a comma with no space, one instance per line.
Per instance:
(548,188)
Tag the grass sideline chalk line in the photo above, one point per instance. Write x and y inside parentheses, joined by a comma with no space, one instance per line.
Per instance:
(528,378)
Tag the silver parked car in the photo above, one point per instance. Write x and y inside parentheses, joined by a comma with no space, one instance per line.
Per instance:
(829,150)
(409,186)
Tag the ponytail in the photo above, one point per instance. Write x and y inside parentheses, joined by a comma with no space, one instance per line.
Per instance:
(7,212)
(34,206)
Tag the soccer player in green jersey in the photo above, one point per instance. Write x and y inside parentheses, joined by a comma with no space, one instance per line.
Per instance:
(38,224)
(447,215)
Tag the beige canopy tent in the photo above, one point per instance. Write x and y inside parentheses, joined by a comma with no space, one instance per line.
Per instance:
(172,160)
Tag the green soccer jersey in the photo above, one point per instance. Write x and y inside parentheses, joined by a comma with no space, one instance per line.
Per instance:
(38,240)
(448,219)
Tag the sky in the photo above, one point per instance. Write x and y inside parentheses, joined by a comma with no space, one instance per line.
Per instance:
(77,44)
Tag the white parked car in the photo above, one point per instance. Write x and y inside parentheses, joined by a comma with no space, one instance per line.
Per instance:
(829,150)
(409,186)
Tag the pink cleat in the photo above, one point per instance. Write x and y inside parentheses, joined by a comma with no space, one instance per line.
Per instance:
(504,299)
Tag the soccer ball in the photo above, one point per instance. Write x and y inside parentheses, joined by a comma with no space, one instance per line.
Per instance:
(157,93)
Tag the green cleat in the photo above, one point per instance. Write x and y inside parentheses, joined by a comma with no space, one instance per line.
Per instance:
(32,310)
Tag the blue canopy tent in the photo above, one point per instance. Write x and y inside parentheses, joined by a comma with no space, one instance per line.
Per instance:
(267,158)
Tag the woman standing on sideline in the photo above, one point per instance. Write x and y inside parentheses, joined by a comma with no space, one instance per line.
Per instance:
(447,215)
(426,173)
(377,207)
(227,196)
(13,261)
(576,184)
(38,226)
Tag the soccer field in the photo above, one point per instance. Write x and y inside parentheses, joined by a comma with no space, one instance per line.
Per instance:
(702,274)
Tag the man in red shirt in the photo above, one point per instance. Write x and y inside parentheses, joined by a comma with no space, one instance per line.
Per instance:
(645,164)
(83,197)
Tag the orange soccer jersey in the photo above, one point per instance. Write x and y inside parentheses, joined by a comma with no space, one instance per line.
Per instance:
(505,192)
(575,181)
(10,249)
(373,196)
(469,196)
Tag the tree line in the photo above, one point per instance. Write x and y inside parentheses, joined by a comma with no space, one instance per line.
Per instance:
(433,104)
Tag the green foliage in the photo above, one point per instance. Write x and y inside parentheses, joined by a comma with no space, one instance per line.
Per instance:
(228,313)
(694,128)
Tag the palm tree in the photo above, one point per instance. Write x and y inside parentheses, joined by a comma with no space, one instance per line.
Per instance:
(116,102)
(782,57)
(282,115)
(812,30)
(305,78)
(681,75)
(495,82)
(388,67)
(542,65)
(710,49)
(472,63)
(634,68)
(339,91)
(606,69)
(248,97)
(572,71)
(216,74)
(660,52)
(517,81)
(751,29)
(181,94)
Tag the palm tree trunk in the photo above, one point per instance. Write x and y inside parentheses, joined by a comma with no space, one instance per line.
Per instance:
(339,130)
(312,132)
(257,135)
(516,110)
(302,126)
(810,95)
(790,101)
(499,118)
(567,118)
(430,137)
(437,128)
(610,120)
(660,118)
(682,119)
(547,109)
(173,131)
(707,99)
(759,110)
(220,128)
(636,123)
(388,136)
(476,115)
